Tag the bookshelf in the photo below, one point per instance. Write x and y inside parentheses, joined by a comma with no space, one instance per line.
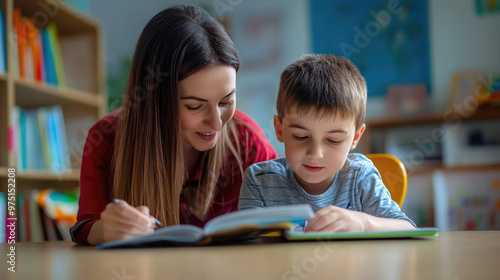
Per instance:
(377,130)
(83,98)
(449,192)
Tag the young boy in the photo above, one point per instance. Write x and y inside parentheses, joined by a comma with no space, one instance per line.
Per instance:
(321,109)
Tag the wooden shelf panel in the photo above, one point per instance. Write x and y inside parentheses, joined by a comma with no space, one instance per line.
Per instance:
(486,113)
(42,175)
(73,175)
(3,172)
(41,180)
(33,94)
(458,168)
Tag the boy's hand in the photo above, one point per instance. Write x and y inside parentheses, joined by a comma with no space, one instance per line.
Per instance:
(333,218)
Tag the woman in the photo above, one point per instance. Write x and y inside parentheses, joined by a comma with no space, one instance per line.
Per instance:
(177,148)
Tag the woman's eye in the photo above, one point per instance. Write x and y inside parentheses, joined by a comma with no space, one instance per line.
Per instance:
(193,108)
(300,138)
(229,103)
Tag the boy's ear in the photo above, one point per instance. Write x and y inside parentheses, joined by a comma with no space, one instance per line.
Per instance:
(278,129)
(357,136)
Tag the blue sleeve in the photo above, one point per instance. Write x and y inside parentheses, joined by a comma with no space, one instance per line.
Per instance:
(375,197)
(250,194)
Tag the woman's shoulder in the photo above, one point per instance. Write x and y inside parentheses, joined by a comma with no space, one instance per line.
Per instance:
(243,119)
(103,132)
(256,146)
(107,124)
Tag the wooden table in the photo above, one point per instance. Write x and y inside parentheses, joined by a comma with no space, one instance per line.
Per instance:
(450,256)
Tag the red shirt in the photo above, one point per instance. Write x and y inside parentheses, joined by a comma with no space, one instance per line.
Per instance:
(96,180)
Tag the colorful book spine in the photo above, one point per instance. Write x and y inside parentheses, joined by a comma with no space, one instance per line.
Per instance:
(3,47)
(38,54)
(3,217)
(41,138)
(56,50)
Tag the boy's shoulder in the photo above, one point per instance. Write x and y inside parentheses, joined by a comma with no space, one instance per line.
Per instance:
(357,161)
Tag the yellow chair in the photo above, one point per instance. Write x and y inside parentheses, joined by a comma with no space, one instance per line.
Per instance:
(393,175)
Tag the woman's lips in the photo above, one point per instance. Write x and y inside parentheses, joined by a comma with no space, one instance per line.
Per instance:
(207,135)
(313,168)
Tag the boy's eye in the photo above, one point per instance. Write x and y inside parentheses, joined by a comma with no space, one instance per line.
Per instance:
(334,142)
(193,108)
(300,138)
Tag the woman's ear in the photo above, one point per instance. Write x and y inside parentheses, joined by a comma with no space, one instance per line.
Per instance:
(357,136)
(278,129)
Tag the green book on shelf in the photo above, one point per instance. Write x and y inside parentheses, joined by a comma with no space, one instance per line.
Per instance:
(56,54)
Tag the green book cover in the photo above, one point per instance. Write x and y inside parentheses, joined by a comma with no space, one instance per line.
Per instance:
(419,232)
(57,55)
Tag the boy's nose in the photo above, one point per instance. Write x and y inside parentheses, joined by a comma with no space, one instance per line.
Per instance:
(315,151)
(213,120)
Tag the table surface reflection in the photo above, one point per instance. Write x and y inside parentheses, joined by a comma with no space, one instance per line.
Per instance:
(451,255)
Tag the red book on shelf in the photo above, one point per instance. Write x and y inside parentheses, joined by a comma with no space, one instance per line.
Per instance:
(35,48)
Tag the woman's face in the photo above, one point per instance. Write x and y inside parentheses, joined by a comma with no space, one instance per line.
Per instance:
(207,102)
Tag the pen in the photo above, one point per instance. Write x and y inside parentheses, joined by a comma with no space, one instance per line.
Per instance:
(157,223)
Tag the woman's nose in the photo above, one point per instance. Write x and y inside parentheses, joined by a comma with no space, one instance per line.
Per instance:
(213,120)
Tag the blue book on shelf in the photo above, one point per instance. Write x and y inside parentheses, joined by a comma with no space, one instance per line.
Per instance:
(57,139)
(52,139)
(48,58)
(44,138)
(3,216)
(34,155)
(21,165)
(62,140)
(3,49)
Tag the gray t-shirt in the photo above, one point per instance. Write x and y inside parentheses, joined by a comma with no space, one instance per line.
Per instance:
(357,186)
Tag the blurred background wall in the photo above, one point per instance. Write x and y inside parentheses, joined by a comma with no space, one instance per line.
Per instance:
(450,36)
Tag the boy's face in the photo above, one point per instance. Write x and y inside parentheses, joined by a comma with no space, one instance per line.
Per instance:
(316,148)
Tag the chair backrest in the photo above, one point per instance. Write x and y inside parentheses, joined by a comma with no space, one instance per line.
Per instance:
(393,175)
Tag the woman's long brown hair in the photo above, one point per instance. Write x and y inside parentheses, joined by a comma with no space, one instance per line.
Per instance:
(149,162)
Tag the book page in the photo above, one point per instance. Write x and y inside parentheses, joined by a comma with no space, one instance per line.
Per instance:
(177,233)
(260,217)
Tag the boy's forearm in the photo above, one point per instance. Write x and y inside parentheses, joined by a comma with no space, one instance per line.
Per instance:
(373,223)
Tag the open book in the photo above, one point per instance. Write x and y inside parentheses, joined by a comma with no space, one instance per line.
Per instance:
(228,227)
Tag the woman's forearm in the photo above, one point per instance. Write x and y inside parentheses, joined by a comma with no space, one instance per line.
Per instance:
(96,233)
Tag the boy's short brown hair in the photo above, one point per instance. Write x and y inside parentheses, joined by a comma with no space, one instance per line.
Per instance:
(325,84)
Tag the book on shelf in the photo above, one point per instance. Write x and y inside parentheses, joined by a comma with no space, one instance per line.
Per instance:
(228,227)
(45,215)
(3,46)
(36,53)
(3,217)
(39,136)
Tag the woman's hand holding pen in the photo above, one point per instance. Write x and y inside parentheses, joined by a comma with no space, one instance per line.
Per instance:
(122,221)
